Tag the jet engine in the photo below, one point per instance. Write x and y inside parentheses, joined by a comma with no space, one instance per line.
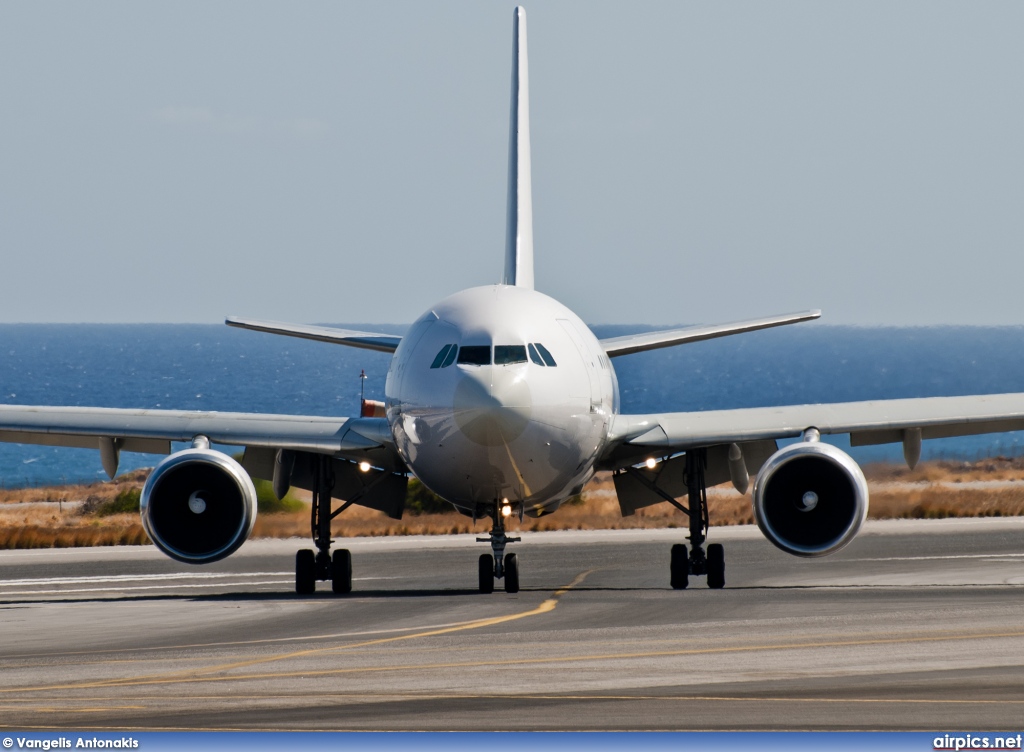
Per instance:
(810,499)
(198,505)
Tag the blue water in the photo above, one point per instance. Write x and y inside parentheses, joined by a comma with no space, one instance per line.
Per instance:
(220,368)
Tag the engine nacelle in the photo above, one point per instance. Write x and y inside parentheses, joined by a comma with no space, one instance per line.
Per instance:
(198,506)
(810,499)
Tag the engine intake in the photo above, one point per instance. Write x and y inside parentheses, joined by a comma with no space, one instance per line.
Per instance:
(810,499)
(198,506)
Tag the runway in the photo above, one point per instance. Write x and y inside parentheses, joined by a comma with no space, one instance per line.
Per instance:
(916,625)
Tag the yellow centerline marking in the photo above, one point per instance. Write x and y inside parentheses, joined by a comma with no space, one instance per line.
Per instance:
(199,675)
(505,698)
(242,643)
(58,703)
(203,675)
(465,649)
(62,708)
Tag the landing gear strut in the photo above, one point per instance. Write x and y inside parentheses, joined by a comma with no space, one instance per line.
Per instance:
(711,563)
(322,565)
(498,565)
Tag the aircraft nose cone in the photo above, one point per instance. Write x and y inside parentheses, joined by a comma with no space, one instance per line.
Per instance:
(492,405)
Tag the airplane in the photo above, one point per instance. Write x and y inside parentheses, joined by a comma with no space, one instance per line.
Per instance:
(503,402)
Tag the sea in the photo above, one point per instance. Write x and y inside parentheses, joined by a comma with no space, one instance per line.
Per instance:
(215,367)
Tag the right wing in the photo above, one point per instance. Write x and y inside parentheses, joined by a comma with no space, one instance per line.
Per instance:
(152,431)
(632,343)
(366,340)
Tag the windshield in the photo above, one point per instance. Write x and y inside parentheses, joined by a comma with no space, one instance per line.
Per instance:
(475,355)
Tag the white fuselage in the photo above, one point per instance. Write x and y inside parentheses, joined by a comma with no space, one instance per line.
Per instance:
(493,420)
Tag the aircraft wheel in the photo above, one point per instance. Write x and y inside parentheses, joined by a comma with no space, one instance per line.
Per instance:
(680,567)
(341,571)
(305,572)
(511,573)
(486,570)
(716,566)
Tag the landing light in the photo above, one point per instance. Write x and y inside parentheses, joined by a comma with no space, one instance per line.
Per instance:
(651,463)
(506,510)
(364,466)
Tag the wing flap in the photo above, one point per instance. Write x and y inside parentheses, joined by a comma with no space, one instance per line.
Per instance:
(383,490)
(635,489)
(940,431)
(140,445)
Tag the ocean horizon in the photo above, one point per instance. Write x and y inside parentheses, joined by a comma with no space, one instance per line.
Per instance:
(215,367)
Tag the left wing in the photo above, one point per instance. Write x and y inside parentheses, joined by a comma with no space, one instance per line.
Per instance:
(874,422)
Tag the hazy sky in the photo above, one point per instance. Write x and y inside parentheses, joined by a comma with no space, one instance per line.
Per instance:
(692,162)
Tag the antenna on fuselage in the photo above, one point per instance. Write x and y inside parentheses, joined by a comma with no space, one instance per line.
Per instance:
(519,226)
(368,408)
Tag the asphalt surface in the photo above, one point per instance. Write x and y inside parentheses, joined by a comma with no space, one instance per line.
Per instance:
(916,625)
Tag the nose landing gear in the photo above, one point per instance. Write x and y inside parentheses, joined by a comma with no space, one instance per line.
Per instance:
(498,565)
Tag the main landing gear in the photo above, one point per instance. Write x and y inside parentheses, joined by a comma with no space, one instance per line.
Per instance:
(697,562)
(499,565)
(322,565)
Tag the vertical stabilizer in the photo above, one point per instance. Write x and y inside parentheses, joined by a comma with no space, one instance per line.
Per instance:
(519,230)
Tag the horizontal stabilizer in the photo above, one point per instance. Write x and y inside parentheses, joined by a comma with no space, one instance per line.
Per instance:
(365,340)
(632,343)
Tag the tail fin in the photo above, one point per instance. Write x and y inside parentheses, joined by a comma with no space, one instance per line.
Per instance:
(519,230)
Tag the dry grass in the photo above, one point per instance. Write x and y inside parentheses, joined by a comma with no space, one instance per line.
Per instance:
(36,527)
(947,471)
(51,517)
(938,503)
(75,492)
(354,523)
(36,536)
(33,518)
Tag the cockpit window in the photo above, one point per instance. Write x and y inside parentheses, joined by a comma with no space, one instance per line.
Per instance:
(446,357)
(475,355)
(548,360)
(534,355)
(506,354)
(441,356)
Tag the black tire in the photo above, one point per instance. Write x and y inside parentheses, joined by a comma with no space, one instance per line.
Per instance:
(680,567)
(486,570)
(305,572)
(341,571)
(511,573)
(716,566)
